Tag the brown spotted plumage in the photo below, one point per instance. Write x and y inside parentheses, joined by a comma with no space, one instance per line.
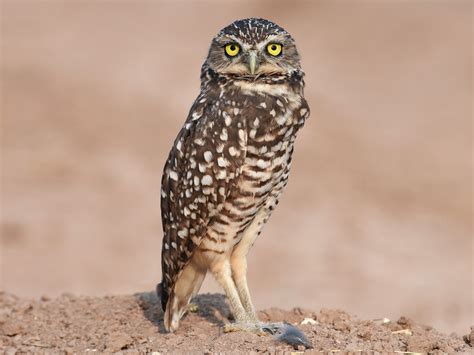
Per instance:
(229,164)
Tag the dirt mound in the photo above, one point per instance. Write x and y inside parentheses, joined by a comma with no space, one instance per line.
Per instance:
(134,323)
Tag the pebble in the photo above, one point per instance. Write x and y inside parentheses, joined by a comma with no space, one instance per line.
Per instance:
(11,328)
(117,342)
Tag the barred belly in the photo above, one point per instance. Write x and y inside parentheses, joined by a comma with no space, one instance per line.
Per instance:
(249,206)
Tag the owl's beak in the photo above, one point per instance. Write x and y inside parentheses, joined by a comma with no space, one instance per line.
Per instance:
(253,62)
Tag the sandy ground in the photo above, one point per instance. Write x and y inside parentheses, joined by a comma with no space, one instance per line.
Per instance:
(377,217)
(134,323)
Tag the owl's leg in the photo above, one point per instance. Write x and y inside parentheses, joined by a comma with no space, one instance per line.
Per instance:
(221,270)
(186,287)
(239,275)
(239,262)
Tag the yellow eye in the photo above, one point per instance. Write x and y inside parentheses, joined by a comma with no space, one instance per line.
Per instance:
(274,49)
(232,49)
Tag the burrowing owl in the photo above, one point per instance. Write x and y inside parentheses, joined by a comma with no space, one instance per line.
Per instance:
(229,164)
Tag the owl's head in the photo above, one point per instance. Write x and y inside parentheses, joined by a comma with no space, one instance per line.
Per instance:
(253,47)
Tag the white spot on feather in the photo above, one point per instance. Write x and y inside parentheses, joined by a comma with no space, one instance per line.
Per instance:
(208,156)
(224,135)
(221,174)
(227,118)
(183,233)
(173,175)
(241,135)
(281,120)
(222,162)
(199,141)
(262,164)
(206,180)
(196,115)
(222,191)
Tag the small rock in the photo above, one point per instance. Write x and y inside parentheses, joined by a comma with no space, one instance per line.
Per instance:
(420,344)
(10,351)
(117,342)
(469,338)
(11,328)
(341,325)
(405,322)
(309,321)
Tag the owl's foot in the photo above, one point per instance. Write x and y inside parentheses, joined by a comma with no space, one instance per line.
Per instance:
(256,328)
(192,307)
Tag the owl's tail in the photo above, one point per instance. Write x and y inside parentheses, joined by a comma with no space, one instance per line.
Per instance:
(163,294)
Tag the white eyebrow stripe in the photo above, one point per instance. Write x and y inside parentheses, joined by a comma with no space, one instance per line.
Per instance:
(243,45)
(272,38)
(232,37)
(278,37)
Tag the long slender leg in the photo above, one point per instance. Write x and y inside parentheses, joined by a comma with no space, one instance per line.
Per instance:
(283,332)
(239,275)
(222,272)
(239,262)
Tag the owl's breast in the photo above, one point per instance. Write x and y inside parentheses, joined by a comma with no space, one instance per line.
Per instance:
(272,120)
(265,125)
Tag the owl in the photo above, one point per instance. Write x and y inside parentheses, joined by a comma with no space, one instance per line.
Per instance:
(229,165)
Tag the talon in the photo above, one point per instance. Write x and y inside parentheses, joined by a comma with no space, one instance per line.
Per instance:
(229,328)
(193,308)
(244,327)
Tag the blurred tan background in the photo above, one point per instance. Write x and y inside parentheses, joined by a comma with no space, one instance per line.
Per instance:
(377,218)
